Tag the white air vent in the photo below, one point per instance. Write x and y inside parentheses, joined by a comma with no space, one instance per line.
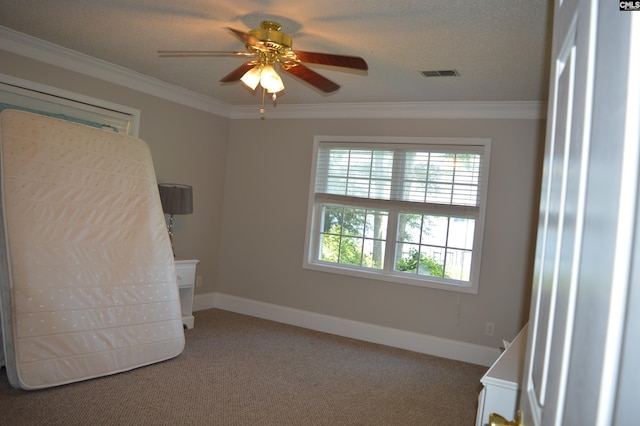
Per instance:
(440,73)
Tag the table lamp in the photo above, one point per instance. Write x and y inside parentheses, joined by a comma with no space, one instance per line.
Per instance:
(176,199)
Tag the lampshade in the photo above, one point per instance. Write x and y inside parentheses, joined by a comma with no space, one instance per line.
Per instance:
(176,198)
(270,80)
(252,77)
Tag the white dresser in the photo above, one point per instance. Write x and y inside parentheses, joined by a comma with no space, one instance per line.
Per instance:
(186,277)
(502,381)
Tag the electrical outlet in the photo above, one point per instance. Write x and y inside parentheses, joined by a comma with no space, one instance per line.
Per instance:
(199,281)
(489,328)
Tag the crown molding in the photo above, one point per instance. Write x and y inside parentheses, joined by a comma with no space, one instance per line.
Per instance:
(40,50)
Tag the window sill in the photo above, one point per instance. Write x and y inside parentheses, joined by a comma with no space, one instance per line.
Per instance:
(391,278)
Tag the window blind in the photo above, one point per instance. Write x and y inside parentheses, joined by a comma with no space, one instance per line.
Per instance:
(408,175)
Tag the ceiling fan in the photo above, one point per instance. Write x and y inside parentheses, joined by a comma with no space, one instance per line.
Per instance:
(268,46)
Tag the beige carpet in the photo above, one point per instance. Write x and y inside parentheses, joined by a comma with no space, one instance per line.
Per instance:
(240,370)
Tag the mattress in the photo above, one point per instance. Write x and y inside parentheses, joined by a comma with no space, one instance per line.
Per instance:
(87,284)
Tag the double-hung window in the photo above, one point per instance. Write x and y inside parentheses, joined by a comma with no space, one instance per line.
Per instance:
(407,210)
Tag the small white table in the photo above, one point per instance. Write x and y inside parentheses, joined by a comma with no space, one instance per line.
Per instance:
(502,382)
(186,277)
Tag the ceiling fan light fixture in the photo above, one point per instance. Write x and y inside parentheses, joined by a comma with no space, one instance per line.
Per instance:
(270,80)
(252,77)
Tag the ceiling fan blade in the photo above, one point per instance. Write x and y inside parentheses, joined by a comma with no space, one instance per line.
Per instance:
(313,78)
(246,38)
(354,62)
(199,53)
(237,74)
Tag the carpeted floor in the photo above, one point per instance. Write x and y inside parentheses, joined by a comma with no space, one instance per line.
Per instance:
(240,370)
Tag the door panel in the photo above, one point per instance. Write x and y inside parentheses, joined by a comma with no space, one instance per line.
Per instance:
(554,227)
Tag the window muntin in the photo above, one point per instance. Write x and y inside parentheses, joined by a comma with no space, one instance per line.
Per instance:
(353,236)
(442,177)
(356,173)
(437,246)
(405,209)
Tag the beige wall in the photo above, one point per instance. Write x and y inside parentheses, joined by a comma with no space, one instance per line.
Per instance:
(188,146)
(265,211)
(251,181)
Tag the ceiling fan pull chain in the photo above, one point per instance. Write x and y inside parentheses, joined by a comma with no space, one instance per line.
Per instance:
(262,108)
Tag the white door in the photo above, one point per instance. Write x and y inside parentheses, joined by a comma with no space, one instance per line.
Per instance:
(587,226)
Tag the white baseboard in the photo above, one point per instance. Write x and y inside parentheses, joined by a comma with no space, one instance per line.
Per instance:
(203,302)
(422,343)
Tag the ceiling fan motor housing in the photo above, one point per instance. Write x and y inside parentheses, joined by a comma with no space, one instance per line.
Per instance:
(269,33)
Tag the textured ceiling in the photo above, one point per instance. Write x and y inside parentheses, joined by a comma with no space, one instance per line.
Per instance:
(499,47)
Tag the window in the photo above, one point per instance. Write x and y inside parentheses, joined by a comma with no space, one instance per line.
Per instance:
(407,210)
(35,96)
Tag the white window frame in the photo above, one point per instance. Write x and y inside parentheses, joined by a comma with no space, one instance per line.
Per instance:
(311,246)
(28,94)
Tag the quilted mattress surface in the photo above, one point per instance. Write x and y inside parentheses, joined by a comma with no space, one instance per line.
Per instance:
(88,285)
